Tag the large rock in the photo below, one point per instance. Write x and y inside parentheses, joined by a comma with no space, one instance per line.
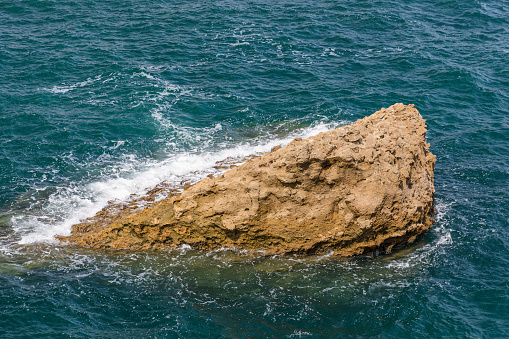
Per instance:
(358,189)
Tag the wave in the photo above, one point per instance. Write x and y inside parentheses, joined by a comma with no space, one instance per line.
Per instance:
(418,257)
(62,89)
(135,176)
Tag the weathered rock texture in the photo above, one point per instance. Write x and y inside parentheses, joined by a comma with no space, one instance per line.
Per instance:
(358,189)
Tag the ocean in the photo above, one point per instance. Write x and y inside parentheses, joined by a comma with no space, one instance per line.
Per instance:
(100,100)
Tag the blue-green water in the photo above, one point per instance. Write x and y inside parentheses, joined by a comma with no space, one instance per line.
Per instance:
(102,99)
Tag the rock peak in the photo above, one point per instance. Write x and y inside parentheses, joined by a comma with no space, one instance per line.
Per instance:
(358,189)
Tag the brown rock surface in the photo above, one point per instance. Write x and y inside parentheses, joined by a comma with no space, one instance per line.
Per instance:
(357,189)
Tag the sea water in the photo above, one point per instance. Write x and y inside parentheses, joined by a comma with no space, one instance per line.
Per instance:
(100,100)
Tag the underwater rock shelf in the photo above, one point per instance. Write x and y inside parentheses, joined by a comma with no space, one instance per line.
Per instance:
(359,189)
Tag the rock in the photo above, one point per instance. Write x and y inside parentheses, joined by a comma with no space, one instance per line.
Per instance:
(359,189)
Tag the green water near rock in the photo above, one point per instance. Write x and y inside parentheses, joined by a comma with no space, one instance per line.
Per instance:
(100,100)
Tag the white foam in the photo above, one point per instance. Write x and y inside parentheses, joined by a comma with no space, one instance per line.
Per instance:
(66,88)
(419,257)
(145,75)
(238,43)
(69,205)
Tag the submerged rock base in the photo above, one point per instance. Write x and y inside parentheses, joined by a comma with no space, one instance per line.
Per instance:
(358,189)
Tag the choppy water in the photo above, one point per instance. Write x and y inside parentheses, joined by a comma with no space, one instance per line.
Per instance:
(102,99)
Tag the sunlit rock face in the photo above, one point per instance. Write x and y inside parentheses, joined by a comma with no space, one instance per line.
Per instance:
(359,189)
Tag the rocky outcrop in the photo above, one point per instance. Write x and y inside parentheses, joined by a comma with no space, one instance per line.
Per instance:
(358,189)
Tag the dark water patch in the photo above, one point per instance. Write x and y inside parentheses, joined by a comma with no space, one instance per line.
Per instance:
(169,293)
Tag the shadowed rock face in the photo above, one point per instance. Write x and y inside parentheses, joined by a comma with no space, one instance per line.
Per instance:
(358,189)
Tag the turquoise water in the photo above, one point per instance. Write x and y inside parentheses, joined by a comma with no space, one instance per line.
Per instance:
(103,99)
